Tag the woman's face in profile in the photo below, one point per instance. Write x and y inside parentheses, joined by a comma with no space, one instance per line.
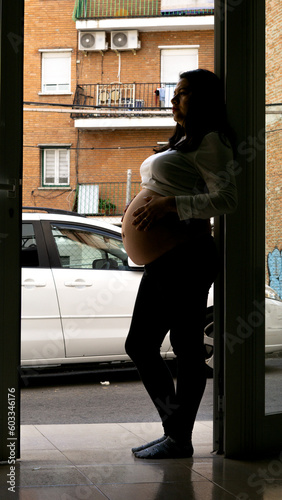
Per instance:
(180,101)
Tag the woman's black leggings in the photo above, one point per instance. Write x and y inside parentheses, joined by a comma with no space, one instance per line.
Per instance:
(173,297)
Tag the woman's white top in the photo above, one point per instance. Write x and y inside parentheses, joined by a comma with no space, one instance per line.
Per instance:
(202,181)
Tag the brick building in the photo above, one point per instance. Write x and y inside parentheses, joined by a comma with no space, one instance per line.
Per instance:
(273,144)
(97,90)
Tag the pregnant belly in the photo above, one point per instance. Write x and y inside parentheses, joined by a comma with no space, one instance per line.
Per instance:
(145,246)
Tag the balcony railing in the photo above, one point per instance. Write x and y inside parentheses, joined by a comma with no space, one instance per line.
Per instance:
(123,99)
(97,9)
(87,9)
(105,198)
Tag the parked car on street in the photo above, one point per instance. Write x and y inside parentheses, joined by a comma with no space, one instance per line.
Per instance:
(78,293)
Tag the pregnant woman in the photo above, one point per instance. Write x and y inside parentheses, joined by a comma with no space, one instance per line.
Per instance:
(166,227)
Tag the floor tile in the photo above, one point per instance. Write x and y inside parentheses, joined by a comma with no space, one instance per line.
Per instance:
(62,462)
(167,471)
(100,456)
(147,431)
(62,493)
(51,476)
(166,491)
(250,472)
(33,458)
(258,490)
(144,431)
(273,491)
(32,439)
(77,437)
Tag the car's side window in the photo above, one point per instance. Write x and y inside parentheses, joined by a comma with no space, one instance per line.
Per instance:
(84,248)
(29,251)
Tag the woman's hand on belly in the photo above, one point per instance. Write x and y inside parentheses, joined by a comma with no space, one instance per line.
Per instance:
(155,208)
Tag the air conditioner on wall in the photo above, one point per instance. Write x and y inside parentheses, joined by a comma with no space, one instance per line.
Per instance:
(125,40)
(92,40)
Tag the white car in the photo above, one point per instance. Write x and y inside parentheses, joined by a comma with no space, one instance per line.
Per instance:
(273,325)
(78,292)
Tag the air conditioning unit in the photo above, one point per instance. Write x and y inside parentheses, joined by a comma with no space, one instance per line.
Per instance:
(92,40)
(125,40)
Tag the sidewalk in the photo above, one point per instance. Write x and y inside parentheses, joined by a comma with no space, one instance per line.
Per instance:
(94,462)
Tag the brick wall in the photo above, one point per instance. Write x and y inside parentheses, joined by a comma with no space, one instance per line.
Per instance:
(145,66)
(273,51)
(49,24)
(273,128)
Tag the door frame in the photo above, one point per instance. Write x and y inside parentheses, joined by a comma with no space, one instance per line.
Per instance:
(241,427)
(11,137)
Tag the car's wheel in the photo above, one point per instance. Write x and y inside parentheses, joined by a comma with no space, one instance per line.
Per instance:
(208,342)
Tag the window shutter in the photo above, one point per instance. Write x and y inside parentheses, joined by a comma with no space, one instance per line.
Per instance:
(63,166)
(49,166)
(56,72)
(176,61)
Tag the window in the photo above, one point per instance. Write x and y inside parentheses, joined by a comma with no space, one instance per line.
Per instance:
(29,253)
(175,60)
(83,248)
(56,72)
(55,167)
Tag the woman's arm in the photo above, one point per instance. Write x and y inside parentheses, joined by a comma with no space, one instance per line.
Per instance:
(214,162)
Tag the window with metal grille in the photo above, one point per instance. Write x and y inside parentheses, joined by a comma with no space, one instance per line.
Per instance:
(55,167)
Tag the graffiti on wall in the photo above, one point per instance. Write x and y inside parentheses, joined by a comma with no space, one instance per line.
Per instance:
(274,262)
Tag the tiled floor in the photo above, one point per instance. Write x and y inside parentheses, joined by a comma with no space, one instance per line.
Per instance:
(94,462)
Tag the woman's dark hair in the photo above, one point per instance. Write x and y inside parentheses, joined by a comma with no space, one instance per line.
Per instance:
(207,112)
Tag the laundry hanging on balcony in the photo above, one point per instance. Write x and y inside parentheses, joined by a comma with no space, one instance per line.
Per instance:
(165,95)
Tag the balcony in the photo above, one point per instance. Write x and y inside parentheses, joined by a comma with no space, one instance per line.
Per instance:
(99,9)
(108,199)
(120,105)
(144,15)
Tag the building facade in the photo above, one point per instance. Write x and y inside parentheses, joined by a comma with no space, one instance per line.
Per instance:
(98,79)
(97,88)
(273,144)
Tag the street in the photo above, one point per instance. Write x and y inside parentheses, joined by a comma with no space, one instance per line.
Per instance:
(84,399)
(114,397)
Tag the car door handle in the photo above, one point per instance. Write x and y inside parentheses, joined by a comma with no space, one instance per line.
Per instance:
(29,283)
(78,283)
